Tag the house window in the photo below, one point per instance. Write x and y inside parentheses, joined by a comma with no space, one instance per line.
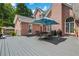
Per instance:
(40,16)
(70,25)
(30,28)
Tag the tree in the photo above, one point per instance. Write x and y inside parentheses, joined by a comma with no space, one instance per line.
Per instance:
(1,14)
(6,14)
(1,10)
(10,14)
(23,10)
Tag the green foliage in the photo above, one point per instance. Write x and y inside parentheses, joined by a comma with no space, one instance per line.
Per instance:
(1,10)
(1,22)
(7,13)
(6,22)
(23,10)
(13,33)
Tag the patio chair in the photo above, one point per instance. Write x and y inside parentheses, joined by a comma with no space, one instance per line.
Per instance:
(45,35)
(49,35)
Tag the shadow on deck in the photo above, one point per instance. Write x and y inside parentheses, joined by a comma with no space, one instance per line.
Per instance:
(53,40)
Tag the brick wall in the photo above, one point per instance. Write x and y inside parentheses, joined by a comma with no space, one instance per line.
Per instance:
(55,14)
(24,28)
(66,12)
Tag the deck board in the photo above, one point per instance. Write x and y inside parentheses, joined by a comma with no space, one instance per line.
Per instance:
(7,52)
(31,46)
(0,46)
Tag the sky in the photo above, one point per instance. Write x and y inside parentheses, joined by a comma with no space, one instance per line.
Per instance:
(33,6)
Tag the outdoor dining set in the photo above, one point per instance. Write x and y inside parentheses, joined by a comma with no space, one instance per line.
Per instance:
(48,22)
(49,35)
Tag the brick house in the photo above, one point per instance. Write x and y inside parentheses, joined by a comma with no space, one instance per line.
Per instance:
(61,12)
(24,26)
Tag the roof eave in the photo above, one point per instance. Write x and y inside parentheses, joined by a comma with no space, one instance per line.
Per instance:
(15,19)
(68,5)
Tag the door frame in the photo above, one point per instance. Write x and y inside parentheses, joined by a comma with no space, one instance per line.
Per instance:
(29,27)
(69,28)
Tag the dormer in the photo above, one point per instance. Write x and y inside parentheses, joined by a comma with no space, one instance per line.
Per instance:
(38,13)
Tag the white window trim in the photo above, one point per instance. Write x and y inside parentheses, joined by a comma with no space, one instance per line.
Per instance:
(30,27)
(69,28)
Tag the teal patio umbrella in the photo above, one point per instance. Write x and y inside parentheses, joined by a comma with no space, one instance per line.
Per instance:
(46,21)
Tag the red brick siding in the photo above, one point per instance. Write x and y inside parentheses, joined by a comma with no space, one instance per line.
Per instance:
(66,12)
(24,28)
(56,14)
(65,15)
(36,28)
(38,14)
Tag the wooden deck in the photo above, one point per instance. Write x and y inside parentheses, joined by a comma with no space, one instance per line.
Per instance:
(31,46)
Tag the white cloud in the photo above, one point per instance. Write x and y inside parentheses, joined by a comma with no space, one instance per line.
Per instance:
(33,10)
(45,8)
(31,3)
(13,4)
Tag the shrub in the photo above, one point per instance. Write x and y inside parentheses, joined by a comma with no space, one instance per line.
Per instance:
(59,32)
(13,33)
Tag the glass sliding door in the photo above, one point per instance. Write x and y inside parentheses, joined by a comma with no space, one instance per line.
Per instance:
(72,27)
(69,27)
